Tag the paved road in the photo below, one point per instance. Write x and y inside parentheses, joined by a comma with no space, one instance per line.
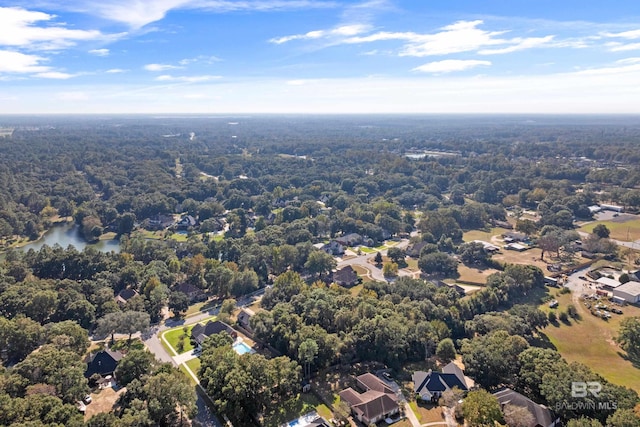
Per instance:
(374,272)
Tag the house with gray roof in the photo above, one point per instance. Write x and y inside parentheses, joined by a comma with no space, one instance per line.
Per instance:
(201,332)
(430,385)
(377,401)
(541,415)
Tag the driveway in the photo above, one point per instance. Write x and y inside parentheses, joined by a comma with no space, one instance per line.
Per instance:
(363,262)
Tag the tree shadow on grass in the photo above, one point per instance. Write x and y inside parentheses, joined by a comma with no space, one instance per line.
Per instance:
(543,341)
(634,359)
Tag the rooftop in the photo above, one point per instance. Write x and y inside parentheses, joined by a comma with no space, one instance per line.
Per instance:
(631,288)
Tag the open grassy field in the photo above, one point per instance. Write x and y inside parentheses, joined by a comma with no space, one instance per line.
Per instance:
(589,340)
(468,274)
(627,231)
(486,236)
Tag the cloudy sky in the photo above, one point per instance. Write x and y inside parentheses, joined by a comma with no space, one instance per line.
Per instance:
(319,56)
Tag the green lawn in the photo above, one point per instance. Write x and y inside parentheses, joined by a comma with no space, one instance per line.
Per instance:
(627,231)
(179,237)
(194,365)
(184,371)
(173,336)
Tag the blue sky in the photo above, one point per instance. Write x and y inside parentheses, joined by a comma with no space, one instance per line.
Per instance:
(319,56)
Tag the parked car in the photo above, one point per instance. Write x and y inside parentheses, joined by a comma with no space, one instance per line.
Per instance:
(387,376)
(87,399)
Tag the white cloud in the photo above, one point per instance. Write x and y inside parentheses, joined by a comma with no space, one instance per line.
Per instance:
(461,36)
(18,27)
(16,62)
(621,47)
(519,44)
(450,65)
(138,13)
(99,52)
(160,67)
(186,79)
(201,58)
(115,71)
(628,61)
(57,75)
(341,31)
(630,35)
(633,67)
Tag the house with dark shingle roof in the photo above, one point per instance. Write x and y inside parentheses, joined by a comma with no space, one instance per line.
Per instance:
(377,402)
(244,318)
(103,363)
(201,332)
(431,385)
(192,292)
(125,295)
(346,277)
(542,416)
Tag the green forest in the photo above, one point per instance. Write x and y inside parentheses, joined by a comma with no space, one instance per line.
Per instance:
(231,207)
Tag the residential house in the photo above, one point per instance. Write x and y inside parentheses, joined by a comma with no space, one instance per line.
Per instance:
(512,236)
(629,291)
(186,222)
(125,295)
(430,386)
(502,224)
(489,247)
(333,248)
(542,416)
(244,318)
(201,332)
(346,277)
(377,401)
(103,363)
(192,292)
(515,247)
(414,250)
(351,239)
(160,222)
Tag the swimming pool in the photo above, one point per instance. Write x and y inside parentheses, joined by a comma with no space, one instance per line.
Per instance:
(241,348)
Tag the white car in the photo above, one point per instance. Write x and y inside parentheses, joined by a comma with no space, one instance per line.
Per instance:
(87,399)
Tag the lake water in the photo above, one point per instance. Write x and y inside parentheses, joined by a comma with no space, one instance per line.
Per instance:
(69,234)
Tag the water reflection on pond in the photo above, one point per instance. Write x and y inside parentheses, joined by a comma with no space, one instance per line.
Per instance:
(69,234)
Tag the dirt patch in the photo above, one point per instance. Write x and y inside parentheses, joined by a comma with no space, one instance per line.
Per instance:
(622,218)
(103,401)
